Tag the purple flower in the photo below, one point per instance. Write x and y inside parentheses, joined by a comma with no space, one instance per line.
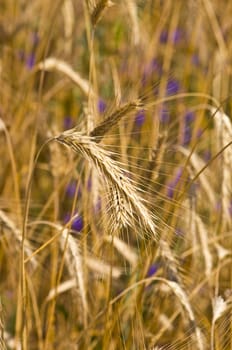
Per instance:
(189,117)
(68,122)
(173,86)
(140,118)
(71,190)
(152,270)
(163,36)
(27,59)
(30,61)
(172,184)
(77,223)
(187,134)
(176,36)
(101,106)
(170,189)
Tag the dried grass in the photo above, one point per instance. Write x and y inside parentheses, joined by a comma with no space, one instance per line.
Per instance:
(125,242)
(223,134)
(204,239)
(219,308)
(62,288)
(124,249)
(50,64)
(102,269)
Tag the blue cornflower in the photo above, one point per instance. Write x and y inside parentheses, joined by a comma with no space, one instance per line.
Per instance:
(172,184)
(176,36)
(30,61)
(68,122)
(152,270)
(187,135)
(189,117)
(77,222)
(173,86)
(163,36)
(101,106)
(71,190)
(187,132)
(140,118)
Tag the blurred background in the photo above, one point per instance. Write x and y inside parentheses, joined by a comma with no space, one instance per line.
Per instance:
(70,276)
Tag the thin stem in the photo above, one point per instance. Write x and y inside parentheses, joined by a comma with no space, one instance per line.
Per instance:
(23,291)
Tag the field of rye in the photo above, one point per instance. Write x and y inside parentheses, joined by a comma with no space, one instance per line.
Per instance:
(116,175)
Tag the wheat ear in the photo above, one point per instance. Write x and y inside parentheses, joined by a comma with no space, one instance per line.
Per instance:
(9,224)
(74,264)
(128,206)
(100,130)
(98,10)
(2,341)
(52,63)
